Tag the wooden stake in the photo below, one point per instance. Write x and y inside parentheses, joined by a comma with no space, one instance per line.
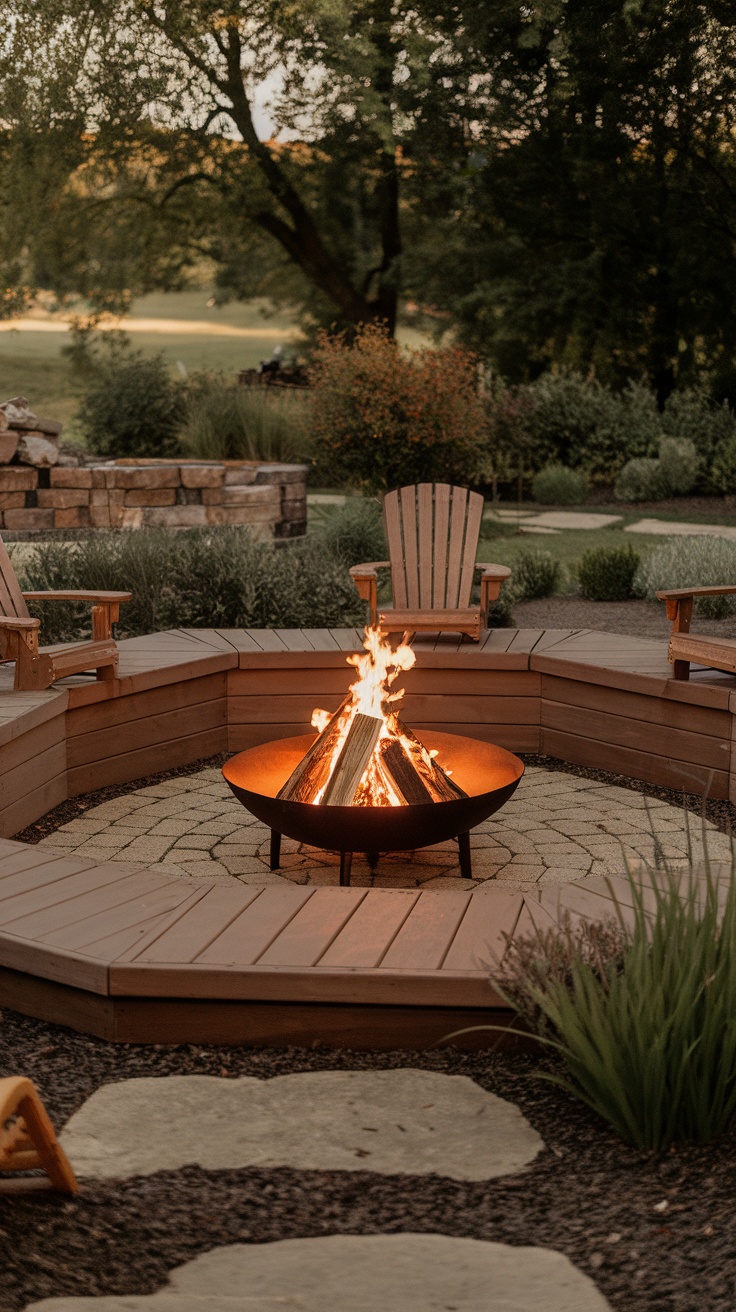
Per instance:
(350,766)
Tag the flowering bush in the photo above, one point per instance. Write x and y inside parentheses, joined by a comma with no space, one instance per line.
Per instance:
(384,416)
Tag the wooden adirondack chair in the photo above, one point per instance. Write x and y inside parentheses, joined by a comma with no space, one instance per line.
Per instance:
(432,531)
(684,646)
(27,1138)
(34,669)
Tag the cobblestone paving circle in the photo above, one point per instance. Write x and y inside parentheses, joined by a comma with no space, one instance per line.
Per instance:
(557,827)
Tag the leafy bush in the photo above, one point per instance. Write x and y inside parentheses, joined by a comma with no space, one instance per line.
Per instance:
(643,1016)
(196,579)
(710,427)
(723,469)
(608,573)
(354,533)
(691,562)
(384,416)
(132,407)
(224,421)
(556,485)
(678,466)
(640,480)
(579,423)
(535,574)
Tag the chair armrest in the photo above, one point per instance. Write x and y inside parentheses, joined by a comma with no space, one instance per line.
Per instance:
(15,622)
(102,597)
(494,571)
(369,569)
(366,581)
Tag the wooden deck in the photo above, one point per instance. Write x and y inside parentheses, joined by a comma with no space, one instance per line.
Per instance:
(132,955)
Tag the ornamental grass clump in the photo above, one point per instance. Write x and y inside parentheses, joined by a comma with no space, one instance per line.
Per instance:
(642,1010)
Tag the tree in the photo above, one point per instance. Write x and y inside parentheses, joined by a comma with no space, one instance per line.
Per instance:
(164,167)
(596,222)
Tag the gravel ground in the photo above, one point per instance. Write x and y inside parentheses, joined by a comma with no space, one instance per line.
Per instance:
(641,619)
(656,1234)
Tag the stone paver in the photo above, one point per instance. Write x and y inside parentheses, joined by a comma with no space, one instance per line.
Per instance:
(671,528)
(363,1273)
(562,519)
(392,1122)
(553,822)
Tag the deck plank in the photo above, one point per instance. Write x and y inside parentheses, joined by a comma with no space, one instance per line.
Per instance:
(72,900)
(311,931)
(366,937)
(247,937)
(151,901)
(483,933)
(31,882)
(195,931)
(320,639)
(426,934)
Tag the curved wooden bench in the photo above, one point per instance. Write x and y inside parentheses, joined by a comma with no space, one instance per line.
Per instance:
(138,956)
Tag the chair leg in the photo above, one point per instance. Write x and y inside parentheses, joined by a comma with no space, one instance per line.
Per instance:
(681,670)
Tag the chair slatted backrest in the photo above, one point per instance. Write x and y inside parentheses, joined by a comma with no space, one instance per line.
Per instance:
(432,530)
(12,605)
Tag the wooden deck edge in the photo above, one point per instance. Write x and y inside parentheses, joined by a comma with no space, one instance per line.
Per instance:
(257,1024)
(312,984)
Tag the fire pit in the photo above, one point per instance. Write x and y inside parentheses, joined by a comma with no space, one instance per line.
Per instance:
(367,783)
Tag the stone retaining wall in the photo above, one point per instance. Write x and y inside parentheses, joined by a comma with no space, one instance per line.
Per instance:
(270,498)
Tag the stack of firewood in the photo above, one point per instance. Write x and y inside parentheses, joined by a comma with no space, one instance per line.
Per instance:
(368,766)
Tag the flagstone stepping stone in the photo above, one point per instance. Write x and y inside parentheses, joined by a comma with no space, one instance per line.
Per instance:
(670,528)
(363,1273)
(562,519)
(402,1121)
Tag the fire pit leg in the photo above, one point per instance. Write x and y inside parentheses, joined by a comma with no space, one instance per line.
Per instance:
(372,859)
(275,849)
(346,862)
(466,868)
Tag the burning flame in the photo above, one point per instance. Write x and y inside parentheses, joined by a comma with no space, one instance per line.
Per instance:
(371,695)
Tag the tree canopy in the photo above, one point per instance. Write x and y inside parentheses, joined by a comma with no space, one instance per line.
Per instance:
(556,180)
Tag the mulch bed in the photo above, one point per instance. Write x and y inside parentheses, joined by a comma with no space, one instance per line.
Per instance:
(586,1195)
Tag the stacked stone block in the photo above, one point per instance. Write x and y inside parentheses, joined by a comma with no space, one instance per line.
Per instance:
(269,498)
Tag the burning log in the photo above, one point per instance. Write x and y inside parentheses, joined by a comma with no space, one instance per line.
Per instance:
(365,755)
(313,771)
(352,762)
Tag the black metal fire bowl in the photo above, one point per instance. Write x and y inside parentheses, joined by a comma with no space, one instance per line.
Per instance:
(488,774)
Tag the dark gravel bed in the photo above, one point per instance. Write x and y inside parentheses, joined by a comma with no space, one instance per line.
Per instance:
(720,813)
(586,1195)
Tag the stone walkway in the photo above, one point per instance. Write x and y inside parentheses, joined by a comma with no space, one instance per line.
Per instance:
(394,1122)
(363,1273)
(557,827)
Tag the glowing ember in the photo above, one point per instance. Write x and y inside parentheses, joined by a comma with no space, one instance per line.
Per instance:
(364,755)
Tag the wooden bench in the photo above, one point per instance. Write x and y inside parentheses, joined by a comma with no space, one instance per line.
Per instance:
(684,646)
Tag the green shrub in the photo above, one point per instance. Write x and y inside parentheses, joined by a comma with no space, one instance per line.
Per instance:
(196,579)
(608,573)
(579,423)
(383,416)
(556,485)
(354,532)
(723,469)
(711,428)
(691,562)
(640,480)
(132,407)
(678,466)
(643,1016)
(224,421)
(535,574)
